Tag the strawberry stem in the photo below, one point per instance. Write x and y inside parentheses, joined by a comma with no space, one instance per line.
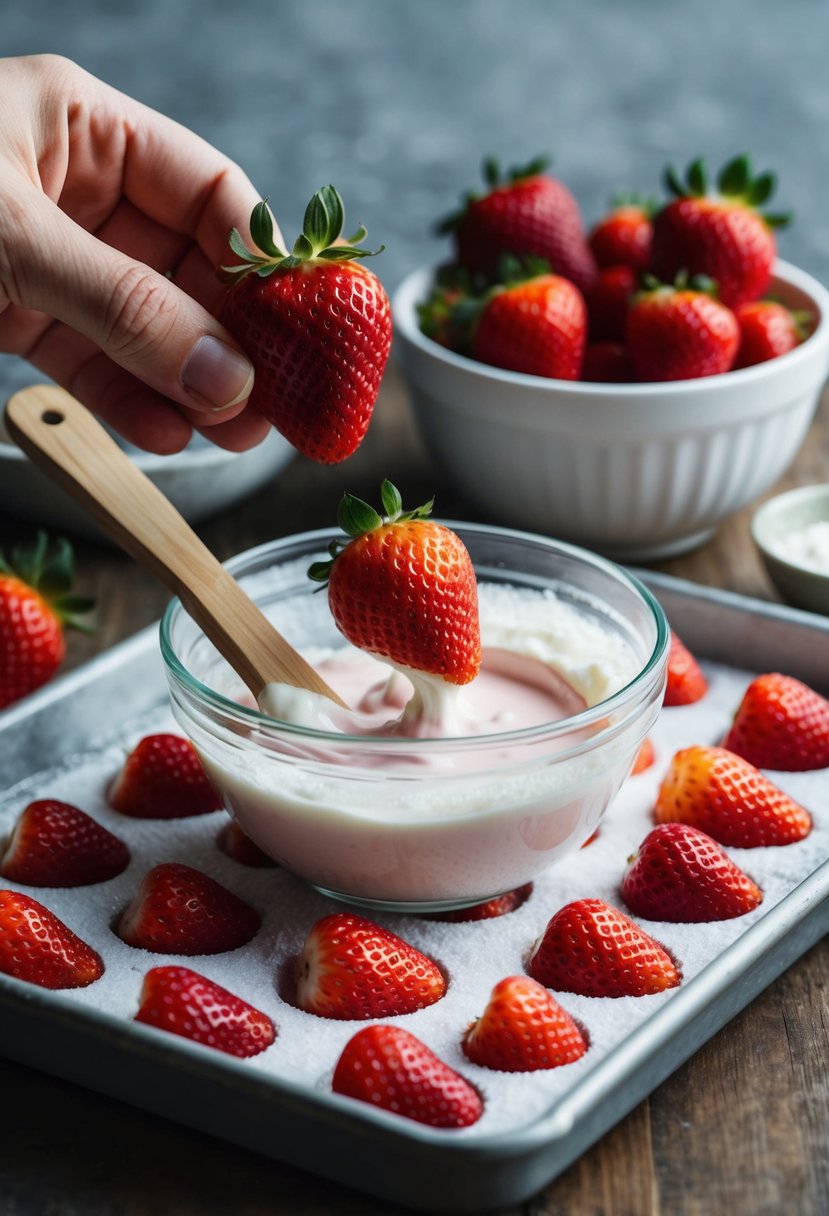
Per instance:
(356,518)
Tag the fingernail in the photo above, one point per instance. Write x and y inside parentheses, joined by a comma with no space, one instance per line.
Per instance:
(216,374)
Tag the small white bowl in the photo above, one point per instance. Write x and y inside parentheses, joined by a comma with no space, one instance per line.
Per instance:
(637,471)
(773,527)
(200,481)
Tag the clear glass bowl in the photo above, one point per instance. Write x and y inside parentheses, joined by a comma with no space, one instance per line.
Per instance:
(419,824)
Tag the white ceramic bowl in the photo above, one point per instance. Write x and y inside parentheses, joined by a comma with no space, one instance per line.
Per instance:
(775,528)
(418,823)
(637,471)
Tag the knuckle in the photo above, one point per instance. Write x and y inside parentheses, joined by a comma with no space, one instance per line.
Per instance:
(139,312)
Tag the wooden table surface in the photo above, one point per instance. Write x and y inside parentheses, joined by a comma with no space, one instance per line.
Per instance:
(742,1127)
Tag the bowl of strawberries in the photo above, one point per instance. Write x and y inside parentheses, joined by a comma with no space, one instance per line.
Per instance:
(626,387)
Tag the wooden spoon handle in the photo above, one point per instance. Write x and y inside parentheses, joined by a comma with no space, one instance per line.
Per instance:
(62,437)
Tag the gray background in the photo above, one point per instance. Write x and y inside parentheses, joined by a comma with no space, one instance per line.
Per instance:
(396,103)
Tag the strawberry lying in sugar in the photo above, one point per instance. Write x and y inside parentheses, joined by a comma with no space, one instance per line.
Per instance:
(316,325)
(162,778)
(185,1003)
(390,1068)
(36,946)
(523,1029)
(352,968)
(686,682)
(180,910)
(55,844)
(419,580)
(781,724)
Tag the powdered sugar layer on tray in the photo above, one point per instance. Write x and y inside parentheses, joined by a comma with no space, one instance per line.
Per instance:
(475,955)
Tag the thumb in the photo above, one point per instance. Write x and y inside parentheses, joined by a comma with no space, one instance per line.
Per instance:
(137,317)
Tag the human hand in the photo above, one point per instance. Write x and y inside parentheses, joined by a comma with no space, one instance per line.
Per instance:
(113,219)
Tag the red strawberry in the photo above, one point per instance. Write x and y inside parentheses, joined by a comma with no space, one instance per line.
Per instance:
(781,724)
(606,363)
(162,778)
(537,326)
(522,213)
(35,608)
(390,1068)
(351,968)
(37,947)
(316,325)
(179,910)
(593,949)
(644,758)
(680,332)
(680,874)
(523,1029)
(686,683)
(236,844)
(404,588)
(608,303)
(623,236)
(501,905)
(769,329)
(721,235)
(725,796)
(55,844)
(183,1002)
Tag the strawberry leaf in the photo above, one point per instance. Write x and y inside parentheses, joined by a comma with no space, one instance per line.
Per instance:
(261,230)
(779,219)
(761,189)
(735,177)
(356,517)
(698,178)
(392,502)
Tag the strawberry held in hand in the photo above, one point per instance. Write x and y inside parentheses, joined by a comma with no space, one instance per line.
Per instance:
(404,588)
(680,332)
(781,724)
(352,968)
(38,947)
(35,608)
(720,793)
(681,874)
(55,844)
(523,1029)
(183,1002)
(524,212)
(388,1067)
(316,325)
(721,234)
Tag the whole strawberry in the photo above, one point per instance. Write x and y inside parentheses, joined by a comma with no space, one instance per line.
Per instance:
(35,607)
(680,332)
(623,236)
(593,949)
(352,968)
(686,682)
(179,910)
(524,212)
(537,326)
(38,947)
(316,325)
(390,1068)
(404,588)
(609,301)
(500,905)
(718,792)
(768,329)
(720,234)
(781,724)
(523,1029)
(162,778)
(681,874)
(185,1003)
(55,844)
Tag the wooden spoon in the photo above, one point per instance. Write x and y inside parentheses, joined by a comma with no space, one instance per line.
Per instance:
(62,437)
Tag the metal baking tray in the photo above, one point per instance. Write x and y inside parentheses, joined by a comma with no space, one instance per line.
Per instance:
(306,1125)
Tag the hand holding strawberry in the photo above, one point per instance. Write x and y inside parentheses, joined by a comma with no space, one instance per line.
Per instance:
(36,605)
(404,588)
(317,326)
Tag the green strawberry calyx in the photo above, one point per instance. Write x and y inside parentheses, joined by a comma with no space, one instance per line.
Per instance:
(494,179)
(322,227)
(356,518)
(735,183)
(649,285)
(51,574)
